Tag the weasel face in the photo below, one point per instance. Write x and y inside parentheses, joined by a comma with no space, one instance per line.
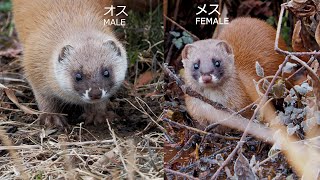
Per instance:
(208,73)
(208,63)
(92,72)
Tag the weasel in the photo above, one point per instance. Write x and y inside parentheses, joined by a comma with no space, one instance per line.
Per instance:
(223,69)
(69,57)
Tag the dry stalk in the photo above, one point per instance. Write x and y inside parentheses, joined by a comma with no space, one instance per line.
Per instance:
(179,174)
(14,155)
(184,29)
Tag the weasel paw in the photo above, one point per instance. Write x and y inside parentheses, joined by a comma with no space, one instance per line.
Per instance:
(54,121)
(98,118)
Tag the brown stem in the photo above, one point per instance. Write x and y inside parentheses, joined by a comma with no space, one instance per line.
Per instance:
(176,173)
(172,21)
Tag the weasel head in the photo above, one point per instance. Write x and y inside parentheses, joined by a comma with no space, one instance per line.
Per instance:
(207,63)
(90,70)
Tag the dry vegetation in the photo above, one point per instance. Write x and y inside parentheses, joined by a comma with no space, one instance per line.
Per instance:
(129,148)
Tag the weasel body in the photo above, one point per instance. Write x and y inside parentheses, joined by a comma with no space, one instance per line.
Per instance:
(69,56)
(223,69)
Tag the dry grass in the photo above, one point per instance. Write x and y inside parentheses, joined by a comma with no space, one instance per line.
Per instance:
(45,157)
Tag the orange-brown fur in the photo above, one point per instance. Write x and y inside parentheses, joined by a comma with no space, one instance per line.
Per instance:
(33,25)
(44,27)
(251,40)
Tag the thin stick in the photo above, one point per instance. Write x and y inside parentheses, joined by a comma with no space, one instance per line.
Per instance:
(176,173)
(270,157)
(175,14)
(172,21)
(208,128)
(198,130)
(312,74)
(19,147)
(185,126)
(204,158)
(300,69)
(18,162)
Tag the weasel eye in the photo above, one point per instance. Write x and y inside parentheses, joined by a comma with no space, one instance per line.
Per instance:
(217,64)
(196,66)
(106,74)
(78,77)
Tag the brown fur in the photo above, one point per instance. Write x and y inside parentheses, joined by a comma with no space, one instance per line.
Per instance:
(251,40)
(40,33)
(45,28)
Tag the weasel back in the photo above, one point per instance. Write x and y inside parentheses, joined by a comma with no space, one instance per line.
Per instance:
(36,14)
(252,40)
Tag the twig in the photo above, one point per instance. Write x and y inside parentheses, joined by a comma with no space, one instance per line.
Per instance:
(84,143)
(312,74)
(165,12)
(185,126)
(208,128)
(169,54)
(11,53)
(262,102)
(300,69)
(143,111)
(176,173)
(184,29)
(118,148)
(314,77)
(184,148)
(268,158)
(18,162)
(195,164)
(198,130)
(20,147)
(175,14)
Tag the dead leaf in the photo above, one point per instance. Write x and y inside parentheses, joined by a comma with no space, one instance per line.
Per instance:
(301,8)
(10,94)
(279,89)
(144,79)
(317,34)
(297,3)
(242,169)
(297,43)
(11,53)
(154,93)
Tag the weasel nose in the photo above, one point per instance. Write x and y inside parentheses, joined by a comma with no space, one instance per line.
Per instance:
(206,78)
(95,94)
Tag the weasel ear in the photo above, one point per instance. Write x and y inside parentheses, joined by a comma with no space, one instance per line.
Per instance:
(113,45)
(185,51)
(65,51)
(225,46)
